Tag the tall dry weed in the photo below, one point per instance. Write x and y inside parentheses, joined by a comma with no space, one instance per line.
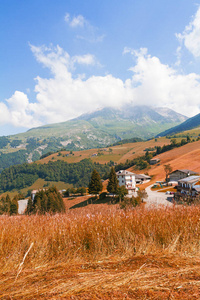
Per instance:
(97,235)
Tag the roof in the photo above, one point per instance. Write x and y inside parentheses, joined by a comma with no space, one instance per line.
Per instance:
(190,179)
(34,191)
(140,176)
(197,188)
(186,171)
(124,172)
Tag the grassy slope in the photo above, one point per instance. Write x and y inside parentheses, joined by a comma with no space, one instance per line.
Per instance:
(185,157)
(193,133)
(186,125)
(119,153)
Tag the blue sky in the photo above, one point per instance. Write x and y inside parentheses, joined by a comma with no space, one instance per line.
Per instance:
(59,59)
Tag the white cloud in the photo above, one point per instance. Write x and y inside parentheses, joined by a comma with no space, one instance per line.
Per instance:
(64,96)
(67,17)
(152,83)
(160,85)
(18,111)
(90,33)
(190,37)
(87,59)
(78,21)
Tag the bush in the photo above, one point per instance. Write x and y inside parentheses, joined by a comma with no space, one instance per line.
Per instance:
(102,196)
(130,202)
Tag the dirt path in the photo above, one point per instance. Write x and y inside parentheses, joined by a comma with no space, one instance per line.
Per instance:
(156,199)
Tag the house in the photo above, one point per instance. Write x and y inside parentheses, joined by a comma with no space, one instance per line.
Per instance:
(187,186)
(180,174)
(22,205)
(141,178)
(154,161)
(128,179)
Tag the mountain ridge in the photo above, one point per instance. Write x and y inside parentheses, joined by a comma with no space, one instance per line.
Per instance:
(189,124)
(92,130)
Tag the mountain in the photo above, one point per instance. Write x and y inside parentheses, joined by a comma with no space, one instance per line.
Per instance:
(93,130)
(187,125)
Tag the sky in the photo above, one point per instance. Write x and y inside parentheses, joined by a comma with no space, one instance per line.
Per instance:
(62,58)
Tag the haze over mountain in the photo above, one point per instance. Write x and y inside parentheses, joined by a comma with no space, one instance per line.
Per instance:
(106,125)
(186,125)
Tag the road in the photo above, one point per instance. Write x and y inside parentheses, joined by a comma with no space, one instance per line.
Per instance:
(157,199)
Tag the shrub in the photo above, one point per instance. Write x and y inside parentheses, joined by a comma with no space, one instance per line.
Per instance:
(102,196)
(128,203)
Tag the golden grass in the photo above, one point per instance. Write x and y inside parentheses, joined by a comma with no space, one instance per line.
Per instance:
(101,252)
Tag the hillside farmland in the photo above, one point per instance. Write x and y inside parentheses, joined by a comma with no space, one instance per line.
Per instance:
(185,157)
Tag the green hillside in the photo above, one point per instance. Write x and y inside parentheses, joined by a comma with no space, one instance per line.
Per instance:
(93,130)
(189,124)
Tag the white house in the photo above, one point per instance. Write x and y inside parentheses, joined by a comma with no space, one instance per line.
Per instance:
(22,206)
(128,179)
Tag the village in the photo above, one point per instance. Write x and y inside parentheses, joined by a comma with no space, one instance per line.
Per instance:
(179,184)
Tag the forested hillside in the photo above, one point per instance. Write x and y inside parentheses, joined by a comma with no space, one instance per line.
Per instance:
(78,174)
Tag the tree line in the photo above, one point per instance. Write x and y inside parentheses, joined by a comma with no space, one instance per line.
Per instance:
(24,175)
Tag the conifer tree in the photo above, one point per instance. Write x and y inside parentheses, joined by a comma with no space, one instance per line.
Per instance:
(29,206)
(95,184)
(47,201)
(112,182)
(13,208)
(3,206)
(7,204)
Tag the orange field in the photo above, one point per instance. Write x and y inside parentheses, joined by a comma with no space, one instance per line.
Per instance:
(185,157)
(97,251)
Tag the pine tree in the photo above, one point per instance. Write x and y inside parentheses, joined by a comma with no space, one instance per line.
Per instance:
(13,208)
(2,205)
(7,204)
(112,182)
(95,184)
(47,201)
(29,206)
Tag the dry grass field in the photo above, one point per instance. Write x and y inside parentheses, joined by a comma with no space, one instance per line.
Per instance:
(101,252)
